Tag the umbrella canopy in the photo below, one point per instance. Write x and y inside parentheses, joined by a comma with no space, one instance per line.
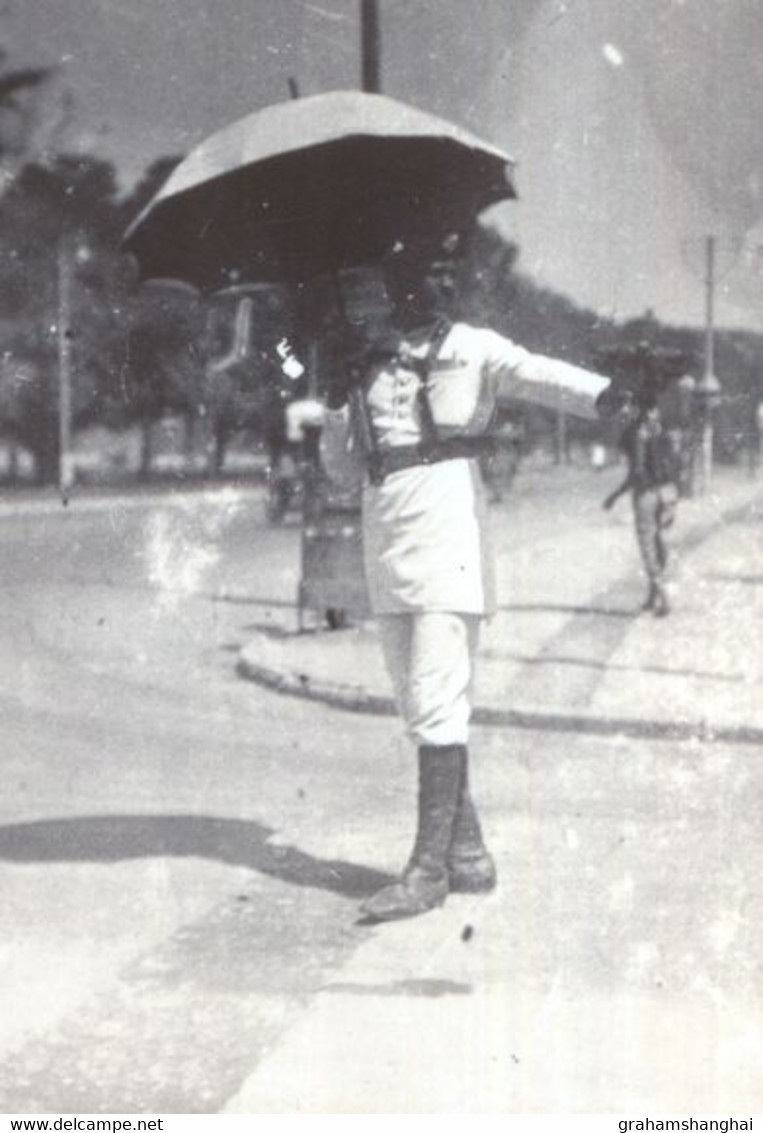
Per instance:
(311,186)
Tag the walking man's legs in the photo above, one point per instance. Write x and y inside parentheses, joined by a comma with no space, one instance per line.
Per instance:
(649,519)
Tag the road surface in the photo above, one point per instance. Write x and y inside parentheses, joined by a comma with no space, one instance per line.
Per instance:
(182,852)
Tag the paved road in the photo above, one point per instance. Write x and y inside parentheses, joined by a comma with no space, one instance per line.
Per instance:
(181,855)
(145,790)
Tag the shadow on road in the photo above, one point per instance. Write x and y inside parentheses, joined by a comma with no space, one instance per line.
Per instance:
(607,666)
(745,579)
(577,611)
(112,838)
(420,988)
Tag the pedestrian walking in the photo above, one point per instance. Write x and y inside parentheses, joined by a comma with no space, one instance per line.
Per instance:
(410,421)
(652,478)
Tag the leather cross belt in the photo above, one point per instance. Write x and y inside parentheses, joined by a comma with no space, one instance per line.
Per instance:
(382,464)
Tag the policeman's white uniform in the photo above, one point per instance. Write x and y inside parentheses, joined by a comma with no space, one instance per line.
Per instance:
(428,566)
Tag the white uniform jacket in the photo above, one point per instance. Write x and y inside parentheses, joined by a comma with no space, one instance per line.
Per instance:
(425,527)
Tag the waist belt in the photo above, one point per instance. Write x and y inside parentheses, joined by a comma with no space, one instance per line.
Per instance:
(387,461)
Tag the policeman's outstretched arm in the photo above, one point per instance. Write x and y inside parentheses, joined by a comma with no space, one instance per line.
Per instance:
(549,382)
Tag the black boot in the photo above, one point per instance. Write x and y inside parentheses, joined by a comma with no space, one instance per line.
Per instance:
(424,884)
(471,868)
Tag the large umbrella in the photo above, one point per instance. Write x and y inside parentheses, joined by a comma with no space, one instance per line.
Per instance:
(311,186)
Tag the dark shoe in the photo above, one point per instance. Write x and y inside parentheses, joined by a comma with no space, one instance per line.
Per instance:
(424,884)
(416,892)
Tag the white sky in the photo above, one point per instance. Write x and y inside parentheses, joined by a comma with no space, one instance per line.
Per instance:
(635,122)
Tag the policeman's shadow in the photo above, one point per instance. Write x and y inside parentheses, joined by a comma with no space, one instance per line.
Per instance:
(232,841)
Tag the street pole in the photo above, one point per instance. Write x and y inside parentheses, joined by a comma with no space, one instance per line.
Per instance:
(710,306)
(708,377)
(369,21)
(64,367)
(755,427)
(560,438)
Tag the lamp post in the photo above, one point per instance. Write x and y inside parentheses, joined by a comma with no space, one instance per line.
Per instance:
(708,390)
(369,20)
(70,253)
(687,390)
(757,436)
(65,477)
(707,395)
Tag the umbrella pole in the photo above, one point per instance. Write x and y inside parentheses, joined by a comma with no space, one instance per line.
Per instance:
(341,305)
(332,579)
(343,319)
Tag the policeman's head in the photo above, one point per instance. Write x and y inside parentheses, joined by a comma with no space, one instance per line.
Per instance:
(422,276)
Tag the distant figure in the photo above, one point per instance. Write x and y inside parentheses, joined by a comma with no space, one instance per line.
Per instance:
(652,478)
(292,434)
(288,418)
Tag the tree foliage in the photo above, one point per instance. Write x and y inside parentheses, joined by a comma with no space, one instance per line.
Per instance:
(20,89)
(139,353)
(58,262)
(135,352)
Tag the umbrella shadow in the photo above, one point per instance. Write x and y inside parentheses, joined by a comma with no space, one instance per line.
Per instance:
(121,837)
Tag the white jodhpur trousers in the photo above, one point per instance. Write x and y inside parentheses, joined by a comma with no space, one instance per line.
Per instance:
(430,660)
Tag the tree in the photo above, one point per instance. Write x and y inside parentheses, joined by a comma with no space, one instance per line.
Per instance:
(64,211)
(21,115)
(161,368)
(244,385)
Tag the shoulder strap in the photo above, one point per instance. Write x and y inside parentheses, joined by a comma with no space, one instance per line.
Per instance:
(441,331)
(429,431)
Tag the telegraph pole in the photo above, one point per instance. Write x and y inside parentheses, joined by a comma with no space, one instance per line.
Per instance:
(710,306)
(561,447)
(64,366)
(371,69)
(709,385)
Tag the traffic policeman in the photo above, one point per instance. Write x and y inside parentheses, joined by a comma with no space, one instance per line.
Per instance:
(410,421)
